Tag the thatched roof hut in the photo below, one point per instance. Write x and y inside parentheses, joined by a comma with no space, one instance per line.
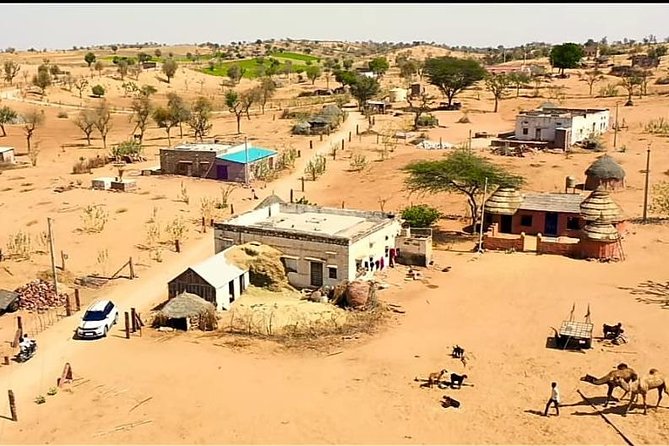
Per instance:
(601,231)
(186,311)
(504,201)
(605,171)
(599,204)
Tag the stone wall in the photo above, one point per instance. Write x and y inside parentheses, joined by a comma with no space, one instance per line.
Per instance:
(494,240)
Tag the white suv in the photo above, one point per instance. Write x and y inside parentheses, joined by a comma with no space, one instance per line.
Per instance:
(98,319)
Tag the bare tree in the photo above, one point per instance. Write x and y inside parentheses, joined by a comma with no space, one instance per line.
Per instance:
(31,121)
(420,107)
(179,111)
(591,78)
(497,84)
(99,66)
(629,81)
(122,67)
(11,70)
(200,117)
(80,84)
(103,121)
(85,121)
(267,89)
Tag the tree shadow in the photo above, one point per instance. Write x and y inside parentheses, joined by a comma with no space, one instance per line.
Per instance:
(650,292)
(448,238)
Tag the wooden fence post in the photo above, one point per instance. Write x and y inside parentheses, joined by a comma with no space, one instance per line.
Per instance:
(291,195)
(299,154)
(302,179)
(68,306)
(342,143)
(127,325)
(133,317)
(311,144)
(349,136)
(342,205)
(62,260)
(321,135)
(132,269)
(12,405)
(19,323)
(232,209)
(177,248)
(357,129)
(6,360)
(77,302)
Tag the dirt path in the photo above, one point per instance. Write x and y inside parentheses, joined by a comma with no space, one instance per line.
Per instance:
(56,346)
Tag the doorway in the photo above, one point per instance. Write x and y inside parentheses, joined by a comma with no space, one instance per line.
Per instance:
(316,269)
(551,226)
(231,290)
(222,172)
(537,134)
(505,224)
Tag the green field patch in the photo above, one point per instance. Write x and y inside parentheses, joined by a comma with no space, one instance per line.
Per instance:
(251,66)
(294,56)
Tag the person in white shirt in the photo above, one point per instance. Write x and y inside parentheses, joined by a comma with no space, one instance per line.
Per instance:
(555,399)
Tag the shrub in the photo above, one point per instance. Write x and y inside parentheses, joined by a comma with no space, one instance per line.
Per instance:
(660,203)
(98,91)
(420,215)
(608,91)
(183,194)
(658,126)
(94,218)
(427,120)
(316,167)
(40,399)
(358,162)
(662,81)
(19,245)
(62,114)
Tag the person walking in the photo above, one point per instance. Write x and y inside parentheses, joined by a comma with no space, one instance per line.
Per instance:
(555,400)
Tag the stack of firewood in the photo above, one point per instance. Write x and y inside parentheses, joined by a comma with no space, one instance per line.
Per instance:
(39,295)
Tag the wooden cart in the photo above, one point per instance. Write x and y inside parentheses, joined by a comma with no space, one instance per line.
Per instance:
(574,334)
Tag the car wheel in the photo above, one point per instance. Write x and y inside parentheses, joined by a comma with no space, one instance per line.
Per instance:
(104,333)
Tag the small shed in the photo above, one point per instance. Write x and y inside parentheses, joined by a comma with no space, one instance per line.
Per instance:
(102,183)
(124,185)
(7,155)
(187,311)
(417,89)
(605,172)
(398,94)
(231,166)
(216,280)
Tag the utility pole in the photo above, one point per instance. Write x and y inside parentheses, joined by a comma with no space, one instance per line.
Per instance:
(246,165)
(53,258)
(645,189)
(615,130)
(485,192)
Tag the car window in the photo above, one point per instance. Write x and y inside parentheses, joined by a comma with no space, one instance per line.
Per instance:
(94,316)
(109,308)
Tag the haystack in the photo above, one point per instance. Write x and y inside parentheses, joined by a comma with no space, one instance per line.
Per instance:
(505,201)
(186,311)
(605,172)
(263,262)
(360,294)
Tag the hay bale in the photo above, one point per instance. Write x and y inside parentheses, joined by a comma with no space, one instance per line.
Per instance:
(264,264)
(359,293)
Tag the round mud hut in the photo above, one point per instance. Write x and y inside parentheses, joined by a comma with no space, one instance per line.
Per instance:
(601,241)
(600,205)
(605,172)
(187,311)
(501,205)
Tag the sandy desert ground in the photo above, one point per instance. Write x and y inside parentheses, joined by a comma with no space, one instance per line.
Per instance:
(216,388)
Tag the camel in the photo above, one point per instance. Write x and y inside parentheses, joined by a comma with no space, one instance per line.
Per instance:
(615,378)
(654,380)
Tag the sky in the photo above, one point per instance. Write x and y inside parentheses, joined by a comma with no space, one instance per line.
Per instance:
(61,26)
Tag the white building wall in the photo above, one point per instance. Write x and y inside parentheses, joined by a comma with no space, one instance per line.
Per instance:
(224,299)
(376,245)
(585,125)
(581,126)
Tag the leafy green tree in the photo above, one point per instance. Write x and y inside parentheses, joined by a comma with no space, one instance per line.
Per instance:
(179,110)
(452,75)
(567,55)
(7,116)
(235,73)
(89,58)
(629,81)
(122,67)
(31,120)
(129,148)
(347,63)
(408,68)
(497,85)
(460,171)
(420,215)
(165,120)
(42,79)
(238,104)
(98,91)
(143,57)
(200,117)
(157,52)
(591,77)
(345,77)
(170,68)
(379,65)
(11,70)
(313,72)
(142,109)
(518,80)
(103,121)
(364,88)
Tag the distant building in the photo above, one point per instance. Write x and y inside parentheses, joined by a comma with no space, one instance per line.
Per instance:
(320,246)
(215,161)
(591,50)
(562,127)
(7,155)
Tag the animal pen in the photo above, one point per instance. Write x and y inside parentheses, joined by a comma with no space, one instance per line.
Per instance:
(187,311)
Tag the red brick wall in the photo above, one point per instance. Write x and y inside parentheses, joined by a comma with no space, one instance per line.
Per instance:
(559,248)
(492,240)
(591,249)
(539,223)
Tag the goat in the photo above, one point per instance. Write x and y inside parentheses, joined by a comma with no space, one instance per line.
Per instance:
(447,402)
(434,378)
(458,352)
(457,379)
(612,331)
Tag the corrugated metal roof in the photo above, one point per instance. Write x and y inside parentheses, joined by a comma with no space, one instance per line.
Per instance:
(217,270)
(254,154)
(568,203)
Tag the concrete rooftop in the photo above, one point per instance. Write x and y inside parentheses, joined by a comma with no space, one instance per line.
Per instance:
(314,223)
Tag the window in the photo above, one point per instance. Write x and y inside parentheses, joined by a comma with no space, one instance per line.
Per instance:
(559,124)
(289,264)
(332,272)
(573,223)
(525,131)
(526,220)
